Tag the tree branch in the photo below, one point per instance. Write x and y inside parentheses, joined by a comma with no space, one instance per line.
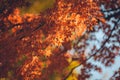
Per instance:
(104,43)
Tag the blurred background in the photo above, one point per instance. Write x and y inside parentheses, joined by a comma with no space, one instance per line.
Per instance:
(37,6)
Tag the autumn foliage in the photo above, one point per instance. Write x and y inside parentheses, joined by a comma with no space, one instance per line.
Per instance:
(36,46)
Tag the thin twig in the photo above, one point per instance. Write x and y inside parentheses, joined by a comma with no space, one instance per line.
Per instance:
(113,15)
(115,9)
